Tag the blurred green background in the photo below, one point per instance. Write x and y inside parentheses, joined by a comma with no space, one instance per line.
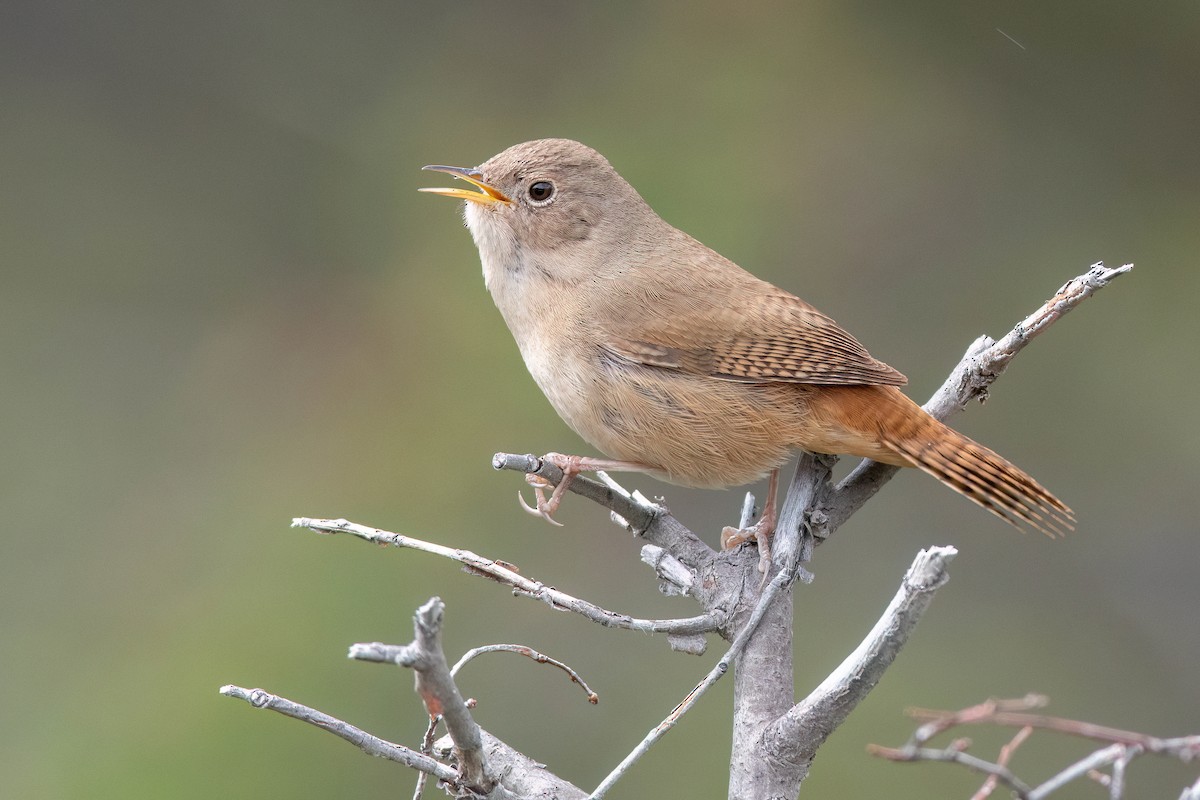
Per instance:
(225,305)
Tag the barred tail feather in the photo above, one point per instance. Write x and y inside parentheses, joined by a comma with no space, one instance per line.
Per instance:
(882,423)
(983,477)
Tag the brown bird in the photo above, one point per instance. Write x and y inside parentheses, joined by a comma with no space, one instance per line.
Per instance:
(672,360)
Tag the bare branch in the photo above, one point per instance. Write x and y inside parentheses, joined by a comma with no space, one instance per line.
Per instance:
(507,574)
(795,737)
(814,508)
(798,519)
(371,745)
(969,382)
(530,653)
(957,756)
(520,776)
(1101,758)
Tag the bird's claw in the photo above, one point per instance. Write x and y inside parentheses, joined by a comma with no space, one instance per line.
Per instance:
(546,507)
(758,533)
(571,466)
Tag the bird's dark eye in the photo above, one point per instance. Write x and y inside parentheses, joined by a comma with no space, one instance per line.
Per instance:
(541,191)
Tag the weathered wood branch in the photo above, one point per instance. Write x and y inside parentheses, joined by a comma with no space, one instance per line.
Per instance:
(790,742)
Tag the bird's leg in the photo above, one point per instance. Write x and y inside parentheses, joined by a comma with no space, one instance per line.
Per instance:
(570,466)
(760,531)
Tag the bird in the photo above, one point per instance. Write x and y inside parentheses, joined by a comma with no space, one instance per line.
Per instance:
(672,360)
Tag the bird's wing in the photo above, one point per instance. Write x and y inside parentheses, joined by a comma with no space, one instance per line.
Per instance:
(756,334)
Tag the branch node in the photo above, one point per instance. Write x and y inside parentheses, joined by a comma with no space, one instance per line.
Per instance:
(677,579)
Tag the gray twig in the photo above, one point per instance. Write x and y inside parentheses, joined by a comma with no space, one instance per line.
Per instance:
(956,755)
(371,745)
(526,587)
(530,653)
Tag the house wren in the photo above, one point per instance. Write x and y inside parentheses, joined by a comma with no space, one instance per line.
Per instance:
(672,360)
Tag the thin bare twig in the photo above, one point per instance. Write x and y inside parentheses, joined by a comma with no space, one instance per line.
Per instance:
(507,574)
(401,655)
(528,652)
(1101,758)
(371,745)
(936,721)
(426,748)
(957,756)
(1006,754)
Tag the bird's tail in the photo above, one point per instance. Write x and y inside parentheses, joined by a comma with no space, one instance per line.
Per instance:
(912,438)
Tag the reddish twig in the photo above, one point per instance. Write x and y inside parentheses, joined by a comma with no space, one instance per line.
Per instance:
(1122,746)
(528,652)
(1006,754)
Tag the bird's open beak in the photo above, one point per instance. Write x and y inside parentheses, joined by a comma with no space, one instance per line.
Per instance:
(486,194)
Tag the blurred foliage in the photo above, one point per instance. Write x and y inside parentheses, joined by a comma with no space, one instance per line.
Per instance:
(224,305)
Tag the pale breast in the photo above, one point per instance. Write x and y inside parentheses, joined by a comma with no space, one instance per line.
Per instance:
(689,430)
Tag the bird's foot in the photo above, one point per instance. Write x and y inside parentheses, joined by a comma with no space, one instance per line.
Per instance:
(570,466)
(760,532)
(545,506)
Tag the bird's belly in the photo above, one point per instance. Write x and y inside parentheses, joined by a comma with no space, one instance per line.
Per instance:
(688,430)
